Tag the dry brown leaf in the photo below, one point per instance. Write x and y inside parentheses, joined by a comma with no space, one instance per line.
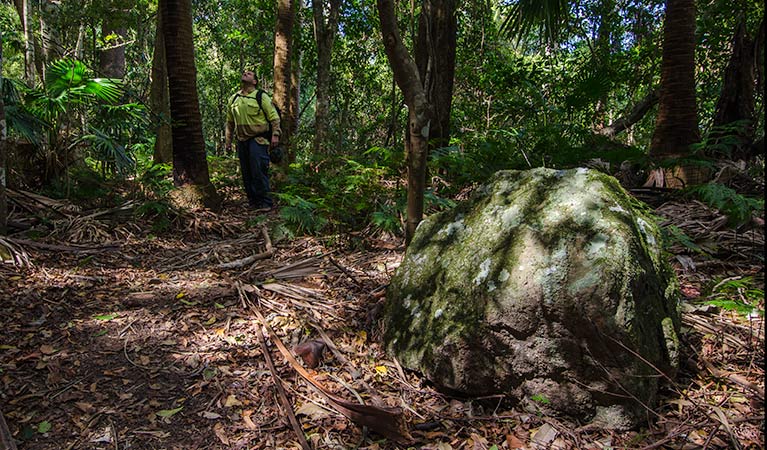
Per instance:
(310,352)
(514,442)
(221,433)
(231,400)
(248,421)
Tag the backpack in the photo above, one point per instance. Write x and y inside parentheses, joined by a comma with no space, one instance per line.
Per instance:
(276,154)
(260,93)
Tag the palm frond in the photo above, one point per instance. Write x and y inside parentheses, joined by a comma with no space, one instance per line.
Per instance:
(108,149)
(68,77)
(24,123)
(525,15)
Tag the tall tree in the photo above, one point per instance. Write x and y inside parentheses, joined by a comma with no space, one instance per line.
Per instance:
(435,57)
(3,136)
(737,100)
(160,103)
(190,167)
(325,29)
(25,15)
(283,47)
(676,126)
(419,114)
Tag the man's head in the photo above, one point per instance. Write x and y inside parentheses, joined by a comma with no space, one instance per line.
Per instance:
(248,78)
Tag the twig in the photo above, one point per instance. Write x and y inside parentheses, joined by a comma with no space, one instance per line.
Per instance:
(345,271)
(735,378)
(287,408)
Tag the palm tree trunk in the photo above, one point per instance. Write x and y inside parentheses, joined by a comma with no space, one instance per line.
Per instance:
(676,126)
(158,97)
(190,167)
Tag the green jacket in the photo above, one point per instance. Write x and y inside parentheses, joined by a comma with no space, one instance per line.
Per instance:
(248,119)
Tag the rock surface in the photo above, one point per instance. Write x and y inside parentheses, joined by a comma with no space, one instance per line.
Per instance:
(548,286)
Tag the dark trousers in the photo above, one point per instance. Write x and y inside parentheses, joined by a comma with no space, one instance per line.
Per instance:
(254,164)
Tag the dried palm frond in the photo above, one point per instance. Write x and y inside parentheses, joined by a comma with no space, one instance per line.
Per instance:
(14,254)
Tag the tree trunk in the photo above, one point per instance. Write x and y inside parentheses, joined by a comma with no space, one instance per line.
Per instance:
(112,58)
(22,7)
(324,33)
(3,159)
(676,127)
(159,101)
(419,117)
(737,100)
(283,44)
(435,57)
(190,167)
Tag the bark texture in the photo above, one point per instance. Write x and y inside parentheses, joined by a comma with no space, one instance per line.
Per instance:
(112,58)
(737,100)
(325,29)
(283,46)
(160,102)
(435,57)
(190,166)
(419,116)
(676,126)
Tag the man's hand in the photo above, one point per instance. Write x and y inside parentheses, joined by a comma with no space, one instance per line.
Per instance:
(275,141)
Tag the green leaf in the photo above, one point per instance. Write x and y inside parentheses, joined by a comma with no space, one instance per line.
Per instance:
(44,427)
(169,412)
(107,317)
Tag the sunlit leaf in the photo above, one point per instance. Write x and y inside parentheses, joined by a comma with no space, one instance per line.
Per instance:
(169,412)
(106,317)
(44,427)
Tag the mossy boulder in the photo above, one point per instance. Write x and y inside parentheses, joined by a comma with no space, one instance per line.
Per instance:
(549,286)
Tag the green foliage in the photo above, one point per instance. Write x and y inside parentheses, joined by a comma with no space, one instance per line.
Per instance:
(386,220)
(300,215)
(159,212)
(83,184)
(157,179)
(674,235)
(738,295)
(108,150)
(738,208)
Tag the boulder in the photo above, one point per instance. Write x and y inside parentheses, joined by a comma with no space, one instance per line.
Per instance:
(549,286)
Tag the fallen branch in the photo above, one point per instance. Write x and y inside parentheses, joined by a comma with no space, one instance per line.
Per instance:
(735,378)
(635,115)
(253,258)
(64,248)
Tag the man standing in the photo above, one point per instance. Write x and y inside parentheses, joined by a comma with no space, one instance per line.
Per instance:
(254,122)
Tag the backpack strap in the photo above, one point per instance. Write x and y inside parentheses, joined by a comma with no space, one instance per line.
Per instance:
(259,95)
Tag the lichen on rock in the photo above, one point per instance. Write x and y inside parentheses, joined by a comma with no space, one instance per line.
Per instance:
(545,283)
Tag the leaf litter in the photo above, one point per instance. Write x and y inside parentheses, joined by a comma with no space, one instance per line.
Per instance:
(114,337)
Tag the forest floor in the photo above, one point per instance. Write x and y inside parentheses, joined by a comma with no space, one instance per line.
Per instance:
(117,337)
